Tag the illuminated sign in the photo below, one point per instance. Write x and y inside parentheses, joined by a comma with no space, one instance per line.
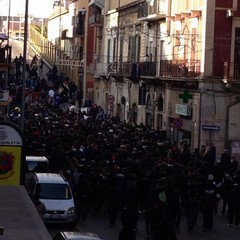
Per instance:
(183,110)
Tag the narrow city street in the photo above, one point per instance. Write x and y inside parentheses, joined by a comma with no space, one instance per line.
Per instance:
(99,224)
(220,231)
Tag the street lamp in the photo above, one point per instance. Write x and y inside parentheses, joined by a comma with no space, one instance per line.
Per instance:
(9,13)
(24,65)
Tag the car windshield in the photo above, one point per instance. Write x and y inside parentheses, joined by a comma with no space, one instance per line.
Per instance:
(54,191)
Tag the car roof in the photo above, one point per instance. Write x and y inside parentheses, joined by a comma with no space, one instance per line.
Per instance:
(36,158)
(81,236)
(50,178)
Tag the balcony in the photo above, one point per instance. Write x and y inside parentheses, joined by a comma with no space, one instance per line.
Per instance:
(143,10)
(132,70)
(120,69)
(231,71)
(96,20)
(180,68)
(78,31)
(168,68)
(143,69)
(154,11)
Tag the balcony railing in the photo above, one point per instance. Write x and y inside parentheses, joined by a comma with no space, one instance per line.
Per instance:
(120,68)
(96,20)
(168,68)
(78,31)
(157,7)
(180,68)
(143,10)
(143,69)
(231,71)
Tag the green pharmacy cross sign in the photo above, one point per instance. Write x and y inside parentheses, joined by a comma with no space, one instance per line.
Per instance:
(185,96)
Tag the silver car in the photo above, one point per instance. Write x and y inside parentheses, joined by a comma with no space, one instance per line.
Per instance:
(76,236)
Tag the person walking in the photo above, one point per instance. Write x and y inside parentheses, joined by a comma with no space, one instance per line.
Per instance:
(234,206)
(192,205)
(158,218)
(225,160)
(129,220)
(112,201)
(227,183)
(208,204)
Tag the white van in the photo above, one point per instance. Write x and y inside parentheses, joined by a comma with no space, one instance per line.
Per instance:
(34,164)
(37,164)
(55,192)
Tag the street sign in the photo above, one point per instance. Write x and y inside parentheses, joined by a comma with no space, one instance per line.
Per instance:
(210,127)
(177,123)
(110,98)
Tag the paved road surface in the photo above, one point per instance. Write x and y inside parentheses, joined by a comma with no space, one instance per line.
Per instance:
(221,231)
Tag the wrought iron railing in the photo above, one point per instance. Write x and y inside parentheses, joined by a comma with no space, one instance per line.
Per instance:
(231,71)
(153,7)
(120,68)
(133,70)
(96,19)
(168,68)
(180,68)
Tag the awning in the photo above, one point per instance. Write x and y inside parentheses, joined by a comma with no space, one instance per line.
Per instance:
(99,3)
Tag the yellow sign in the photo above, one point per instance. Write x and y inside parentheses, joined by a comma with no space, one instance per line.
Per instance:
(10,155)
(10,165)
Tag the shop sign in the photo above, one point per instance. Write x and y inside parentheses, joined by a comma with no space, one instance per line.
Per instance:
(11,145)
(183,110)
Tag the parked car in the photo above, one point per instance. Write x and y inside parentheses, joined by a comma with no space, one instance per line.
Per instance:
(76,236)
(54,191)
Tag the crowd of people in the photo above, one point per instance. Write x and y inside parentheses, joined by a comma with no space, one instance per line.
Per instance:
(128,170)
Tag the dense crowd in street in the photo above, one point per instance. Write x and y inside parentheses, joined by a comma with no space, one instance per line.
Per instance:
(129,170)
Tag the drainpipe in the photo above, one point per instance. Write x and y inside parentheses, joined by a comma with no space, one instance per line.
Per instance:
(200,119)
(85,53)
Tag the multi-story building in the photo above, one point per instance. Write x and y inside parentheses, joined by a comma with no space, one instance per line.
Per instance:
(68,29)
(172,65)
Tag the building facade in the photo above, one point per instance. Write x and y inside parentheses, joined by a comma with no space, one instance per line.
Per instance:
(68,29)
(172,65)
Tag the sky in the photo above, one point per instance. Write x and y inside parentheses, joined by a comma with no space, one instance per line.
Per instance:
(38,8)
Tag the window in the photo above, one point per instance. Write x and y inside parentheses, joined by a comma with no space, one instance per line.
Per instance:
(134,48)
(108,50)
(54,191)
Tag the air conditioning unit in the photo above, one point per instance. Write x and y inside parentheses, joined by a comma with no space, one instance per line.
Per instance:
(229,13)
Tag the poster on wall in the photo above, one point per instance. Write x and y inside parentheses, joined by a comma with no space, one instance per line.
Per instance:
(11,145)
